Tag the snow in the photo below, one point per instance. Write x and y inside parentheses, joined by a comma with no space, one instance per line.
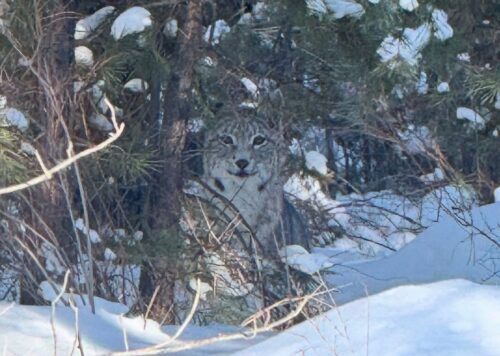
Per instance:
(435,176)
(138,235)
(28,148)
(417,139)
(220,29)
(464,57)
(92,234)
(109,255)
(52,262)
(84,56)
(170,28)
(13,117)
(300,259)
(250,86)
(476,120)
(26,330)
(497,194)
(86,26)
(100,122)
(408,48)
(422,86)
(454,317)
(204,288)
(443,87)
(497,102)
(342,8)
(136,85)
(311,83)
(430,297)
(375,223)
(317,6)
(315,161)
(408,5)
(443,30)
(459,246)
(133,20)
(98,96)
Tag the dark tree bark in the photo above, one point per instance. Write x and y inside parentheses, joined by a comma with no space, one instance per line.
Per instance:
(173,134)
(55,94)
(52,68)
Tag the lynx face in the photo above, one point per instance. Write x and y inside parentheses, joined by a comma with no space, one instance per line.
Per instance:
(242,153)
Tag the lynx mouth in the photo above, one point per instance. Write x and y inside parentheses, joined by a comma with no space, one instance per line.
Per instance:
(242,173)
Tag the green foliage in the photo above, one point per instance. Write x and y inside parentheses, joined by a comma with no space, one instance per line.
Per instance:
(483,84)
(13,167)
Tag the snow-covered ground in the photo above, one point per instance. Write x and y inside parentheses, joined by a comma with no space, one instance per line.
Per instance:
(27,330)
(438,295)
(454,317)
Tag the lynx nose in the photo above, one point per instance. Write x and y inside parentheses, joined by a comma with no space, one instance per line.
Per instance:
(242,163)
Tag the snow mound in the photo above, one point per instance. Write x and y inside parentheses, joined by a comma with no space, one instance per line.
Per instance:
(417,139)
(463,245)
(443,87)
(476,120)
(220,29)
(340,8)
(408,48)
(250,86)
(422,85)
(298,258)
(343,8)
(454,317)
(133,20)
(84,56)
(100,122)
(13,117)
(315,161)
(443,30)
(136,85)
(86,26)
(408,5)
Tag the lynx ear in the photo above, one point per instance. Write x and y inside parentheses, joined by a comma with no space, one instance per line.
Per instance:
(270,116)
(270,94)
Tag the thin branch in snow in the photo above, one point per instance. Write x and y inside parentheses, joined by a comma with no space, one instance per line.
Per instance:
(53,309)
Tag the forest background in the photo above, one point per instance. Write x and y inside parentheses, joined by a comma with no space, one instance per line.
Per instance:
(387,91)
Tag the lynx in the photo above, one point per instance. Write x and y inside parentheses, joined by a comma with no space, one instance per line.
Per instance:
(239,218)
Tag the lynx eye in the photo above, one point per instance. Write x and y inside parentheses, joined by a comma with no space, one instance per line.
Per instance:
(226,139)
(258,140)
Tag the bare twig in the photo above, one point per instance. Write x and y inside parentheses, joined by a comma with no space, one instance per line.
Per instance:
(64,164)
(162,348)
(159,348)
(78,339)
(53,309)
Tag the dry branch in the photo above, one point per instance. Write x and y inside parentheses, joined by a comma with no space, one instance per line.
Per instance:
(164,348)
(48,173)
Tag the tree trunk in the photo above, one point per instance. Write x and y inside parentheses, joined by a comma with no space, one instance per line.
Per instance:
(172,141)
(52,67)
